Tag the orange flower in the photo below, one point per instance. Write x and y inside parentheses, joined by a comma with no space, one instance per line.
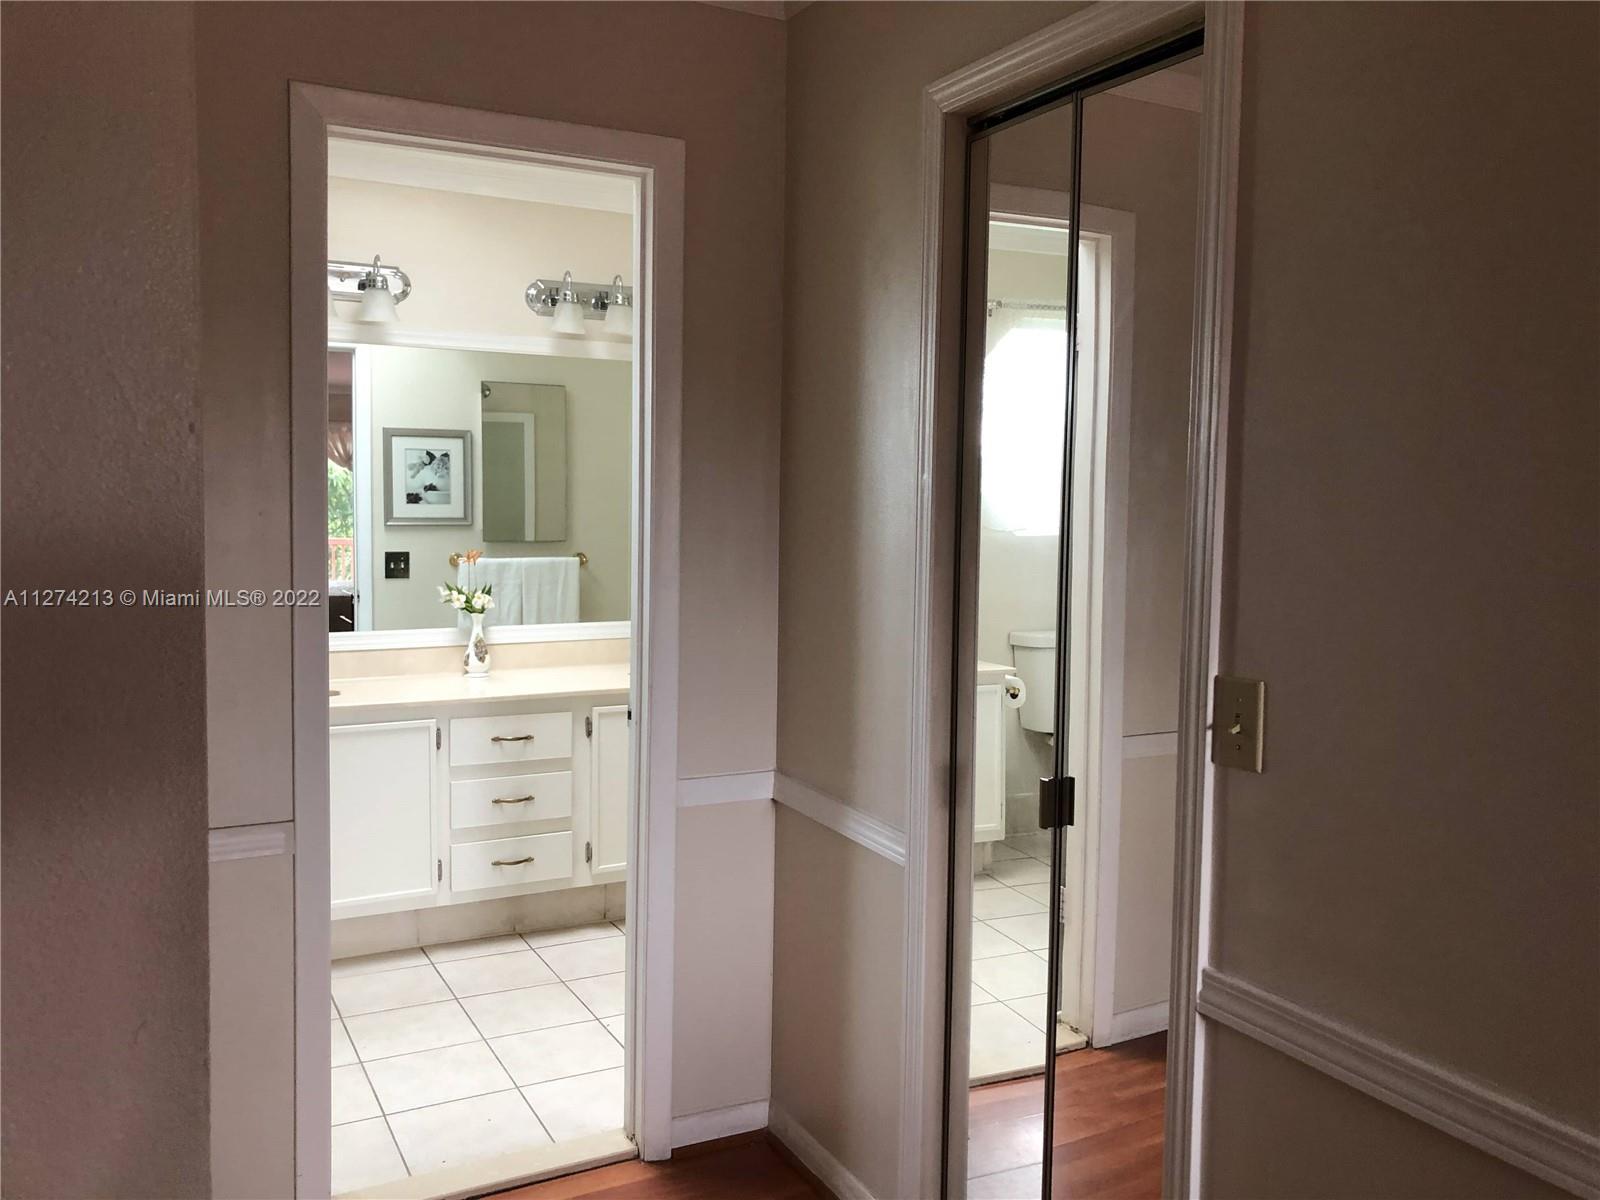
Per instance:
(473,556)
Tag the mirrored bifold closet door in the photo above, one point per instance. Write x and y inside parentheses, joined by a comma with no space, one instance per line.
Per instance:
(1058,186)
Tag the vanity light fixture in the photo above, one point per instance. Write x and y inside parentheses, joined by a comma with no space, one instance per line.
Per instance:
(571,304)
(377,287)
(569,309)
(619,310)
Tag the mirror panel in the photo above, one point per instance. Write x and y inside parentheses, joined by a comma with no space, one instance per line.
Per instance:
(525,458)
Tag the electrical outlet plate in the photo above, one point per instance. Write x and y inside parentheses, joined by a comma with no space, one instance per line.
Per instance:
(1238,720)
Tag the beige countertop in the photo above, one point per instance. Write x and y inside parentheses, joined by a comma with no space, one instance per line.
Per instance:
(989,672)
(528,683)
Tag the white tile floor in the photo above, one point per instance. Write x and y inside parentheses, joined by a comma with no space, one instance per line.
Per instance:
(1010,938)
(469,1050)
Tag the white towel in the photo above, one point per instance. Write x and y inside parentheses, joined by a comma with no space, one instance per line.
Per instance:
(527,591)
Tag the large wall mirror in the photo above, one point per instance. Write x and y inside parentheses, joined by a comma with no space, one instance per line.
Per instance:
(480,426)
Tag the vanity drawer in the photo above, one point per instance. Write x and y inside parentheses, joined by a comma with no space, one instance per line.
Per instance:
(473,865)
(478,740)
(510,798)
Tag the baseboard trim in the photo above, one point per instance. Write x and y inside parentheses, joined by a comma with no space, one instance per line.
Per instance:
(718,1123)
(696,790)
(882,839)
(816,1159)
(1137,1023)
(1463,1107)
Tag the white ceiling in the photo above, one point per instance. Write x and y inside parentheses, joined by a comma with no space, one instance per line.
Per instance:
(450,170)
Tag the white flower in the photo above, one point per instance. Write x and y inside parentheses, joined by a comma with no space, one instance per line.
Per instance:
(457,600)
(487,602)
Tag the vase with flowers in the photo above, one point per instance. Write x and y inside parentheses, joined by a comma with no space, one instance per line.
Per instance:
(475,602)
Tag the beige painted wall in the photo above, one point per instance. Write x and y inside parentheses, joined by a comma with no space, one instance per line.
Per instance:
(731,122)
(1275,1128)
(1412,565)
(708,76)
(853,254)
(439,389)
(470,257)
(105,714)
(838,979)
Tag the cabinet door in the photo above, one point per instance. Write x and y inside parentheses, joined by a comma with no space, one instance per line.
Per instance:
(380,794)
(989,767)
(609,791)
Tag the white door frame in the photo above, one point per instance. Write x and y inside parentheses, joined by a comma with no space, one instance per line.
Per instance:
(656,164)
(1102,571)
(939,676)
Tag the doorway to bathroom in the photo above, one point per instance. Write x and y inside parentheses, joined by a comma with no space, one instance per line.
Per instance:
(486,315)
(1081,237)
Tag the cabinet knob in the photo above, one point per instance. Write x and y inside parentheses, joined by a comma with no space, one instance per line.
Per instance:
(511,862)
(512,800)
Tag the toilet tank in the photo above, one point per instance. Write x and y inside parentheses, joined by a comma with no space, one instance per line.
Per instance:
(1034,653)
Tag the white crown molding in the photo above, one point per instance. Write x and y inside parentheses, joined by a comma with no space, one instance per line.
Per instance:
(252,841)
(375,160)
(882,839)
(694,1128)
(695,791)
(1457,1104)
(799,1142)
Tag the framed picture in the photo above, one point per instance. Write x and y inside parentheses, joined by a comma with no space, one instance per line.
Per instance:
(427,477)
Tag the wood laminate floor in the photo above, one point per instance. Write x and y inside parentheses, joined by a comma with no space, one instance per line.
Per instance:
(1108,1128)
(1107,1144)
(747,1167)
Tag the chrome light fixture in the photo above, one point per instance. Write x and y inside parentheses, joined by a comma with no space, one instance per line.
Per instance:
(571,304)
(377,288)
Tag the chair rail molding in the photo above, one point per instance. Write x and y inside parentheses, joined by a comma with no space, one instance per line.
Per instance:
(731,788)
(1457,1104)
(862,829)
(1098,34)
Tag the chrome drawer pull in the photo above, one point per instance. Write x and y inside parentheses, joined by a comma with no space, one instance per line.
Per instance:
(523,737)
(511,862)
(512,800)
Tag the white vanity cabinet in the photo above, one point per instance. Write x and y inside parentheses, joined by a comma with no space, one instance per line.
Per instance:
(989,751)
(381,815)
(609,759)
(445,791)
(989,766)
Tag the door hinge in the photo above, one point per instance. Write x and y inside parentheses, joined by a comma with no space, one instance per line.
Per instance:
(630,714)
(1056,803)
(588,852)
(588,727)
(438,739)
(438,869)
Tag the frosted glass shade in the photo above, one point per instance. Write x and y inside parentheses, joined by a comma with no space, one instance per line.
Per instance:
(569,318)
(619,320)
(377,307)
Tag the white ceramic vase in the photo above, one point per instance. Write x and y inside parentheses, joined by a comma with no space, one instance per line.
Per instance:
(476,659)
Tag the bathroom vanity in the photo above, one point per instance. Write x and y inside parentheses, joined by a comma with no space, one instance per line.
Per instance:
(445,790)
(989,754)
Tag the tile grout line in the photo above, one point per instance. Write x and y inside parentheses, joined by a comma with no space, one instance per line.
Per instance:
(521,1095)
(490,992)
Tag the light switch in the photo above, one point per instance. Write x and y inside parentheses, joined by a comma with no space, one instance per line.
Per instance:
(1238,719)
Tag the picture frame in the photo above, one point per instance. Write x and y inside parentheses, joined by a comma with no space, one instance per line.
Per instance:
(427,477)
